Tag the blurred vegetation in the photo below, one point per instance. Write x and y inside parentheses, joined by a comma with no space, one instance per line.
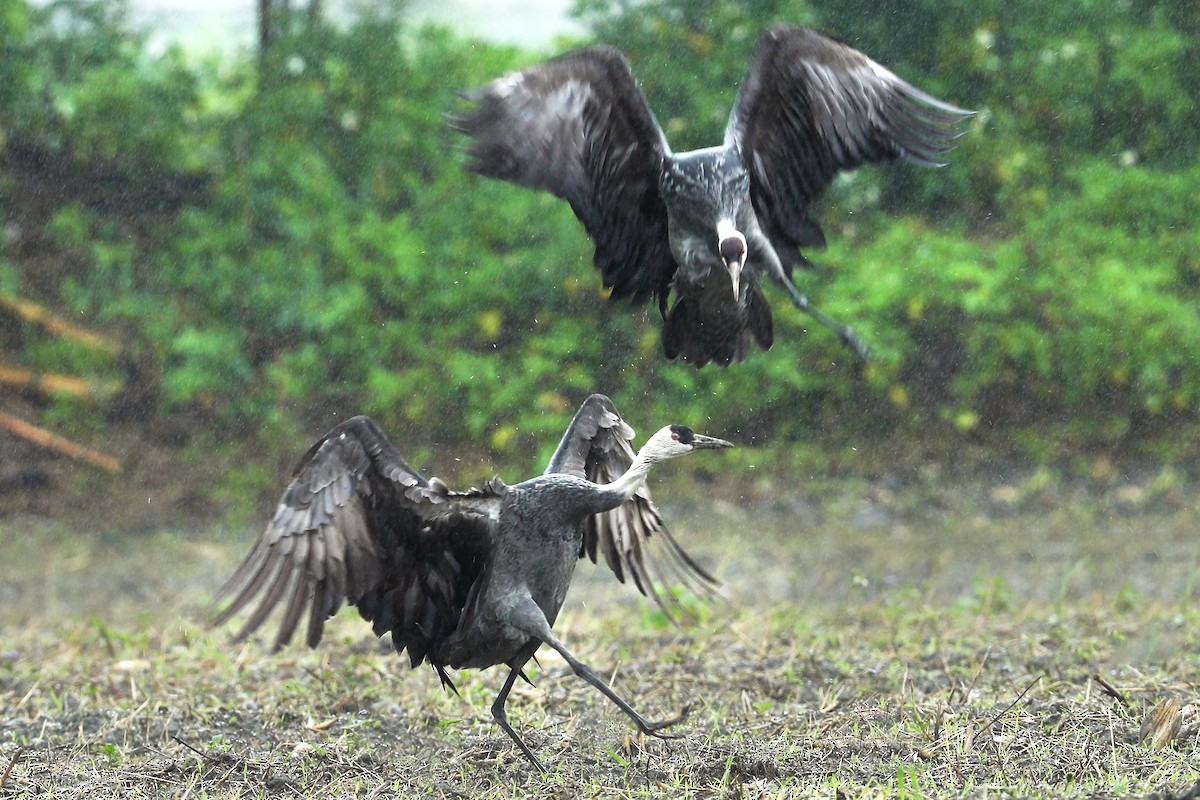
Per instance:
(278,250)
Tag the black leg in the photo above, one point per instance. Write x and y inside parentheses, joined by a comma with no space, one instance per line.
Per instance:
(526,616)
(644,725)
(844,332)
(501,717)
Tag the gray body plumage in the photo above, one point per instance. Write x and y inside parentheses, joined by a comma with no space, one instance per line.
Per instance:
(809,107)
(462,579)
(708,321)
(542,520)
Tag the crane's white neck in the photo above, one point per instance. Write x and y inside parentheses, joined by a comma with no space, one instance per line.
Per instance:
(635,477)
(727,230)
(661,446)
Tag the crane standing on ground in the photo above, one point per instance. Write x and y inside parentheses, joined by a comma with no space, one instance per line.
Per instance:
(707,224)
(463,579)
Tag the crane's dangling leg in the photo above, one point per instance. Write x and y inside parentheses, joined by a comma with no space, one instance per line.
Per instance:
(774,267)
(530,619)
(501,716)
(844,332)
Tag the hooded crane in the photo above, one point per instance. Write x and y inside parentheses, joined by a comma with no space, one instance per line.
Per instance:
(707,224)
(463,579)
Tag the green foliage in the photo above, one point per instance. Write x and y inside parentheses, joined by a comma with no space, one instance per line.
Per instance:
(79,82)
(340,261)
(1088,308)
(16,20)
(8,277)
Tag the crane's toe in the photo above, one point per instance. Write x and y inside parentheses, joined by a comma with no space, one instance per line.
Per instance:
(655,728)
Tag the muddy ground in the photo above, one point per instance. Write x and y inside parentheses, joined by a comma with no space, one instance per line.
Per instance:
(946,635)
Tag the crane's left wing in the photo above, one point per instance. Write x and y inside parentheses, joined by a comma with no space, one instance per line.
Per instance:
(596,446)
(578,126)
(812,106)
(357,525)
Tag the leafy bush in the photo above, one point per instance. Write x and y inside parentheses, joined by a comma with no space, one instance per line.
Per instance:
(1088,312)
(340,261)
(76,81)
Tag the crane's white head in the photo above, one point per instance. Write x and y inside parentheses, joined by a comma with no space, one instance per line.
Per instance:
(731,244)
(677,440)
(670,442)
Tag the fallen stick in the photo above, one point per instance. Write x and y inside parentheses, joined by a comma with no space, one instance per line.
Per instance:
(1110,690)
(52,441)
(1008,707)
(32,312)
(11,763)
(46,383)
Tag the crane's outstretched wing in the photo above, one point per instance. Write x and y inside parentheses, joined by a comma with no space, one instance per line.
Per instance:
(579,127)
(358,525)
(597,447)
(811,106)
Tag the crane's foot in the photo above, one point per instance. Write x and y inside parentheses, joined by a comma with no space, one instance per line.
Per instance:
(655,728)
(538,765)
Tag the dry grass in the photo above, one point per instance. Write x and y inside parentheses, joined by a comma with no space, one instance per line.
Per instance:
(924,660)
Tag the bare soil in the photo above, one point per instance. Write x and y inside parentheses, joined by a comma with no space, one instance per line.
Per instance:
(914,638)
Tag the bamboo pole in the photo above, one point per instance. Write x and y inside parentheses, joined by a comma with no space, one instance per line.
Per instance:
(32,312)
(52,441)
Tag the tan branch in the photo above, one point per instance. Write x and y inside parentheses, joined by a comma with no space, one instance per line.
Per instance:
(52,383)
(52,441)
(32,312)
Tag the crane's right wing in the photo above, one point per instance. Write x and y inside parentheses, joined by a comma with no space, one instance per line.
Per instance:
(358,525)
(578,126)
(596,446)
(812,106)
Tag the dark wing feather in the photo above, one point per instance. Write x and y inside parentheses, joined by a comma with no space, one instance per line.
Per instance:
(597,447)
(579,127)
(812,106)
(358,525)
(596,415)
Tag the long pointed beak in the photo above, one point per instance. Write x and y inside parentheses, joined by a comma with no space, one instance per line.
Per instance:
(734,250)
(708,442)
(735,276)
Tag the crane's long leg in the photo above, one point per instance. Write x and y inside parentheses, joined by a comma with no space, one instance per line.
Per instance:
(501,716)
(531,620)
(844,332)
(764,250)
(588,674)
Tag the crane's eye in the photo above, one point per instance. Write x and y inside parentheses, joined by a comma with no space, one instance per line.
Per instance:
(682,434)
